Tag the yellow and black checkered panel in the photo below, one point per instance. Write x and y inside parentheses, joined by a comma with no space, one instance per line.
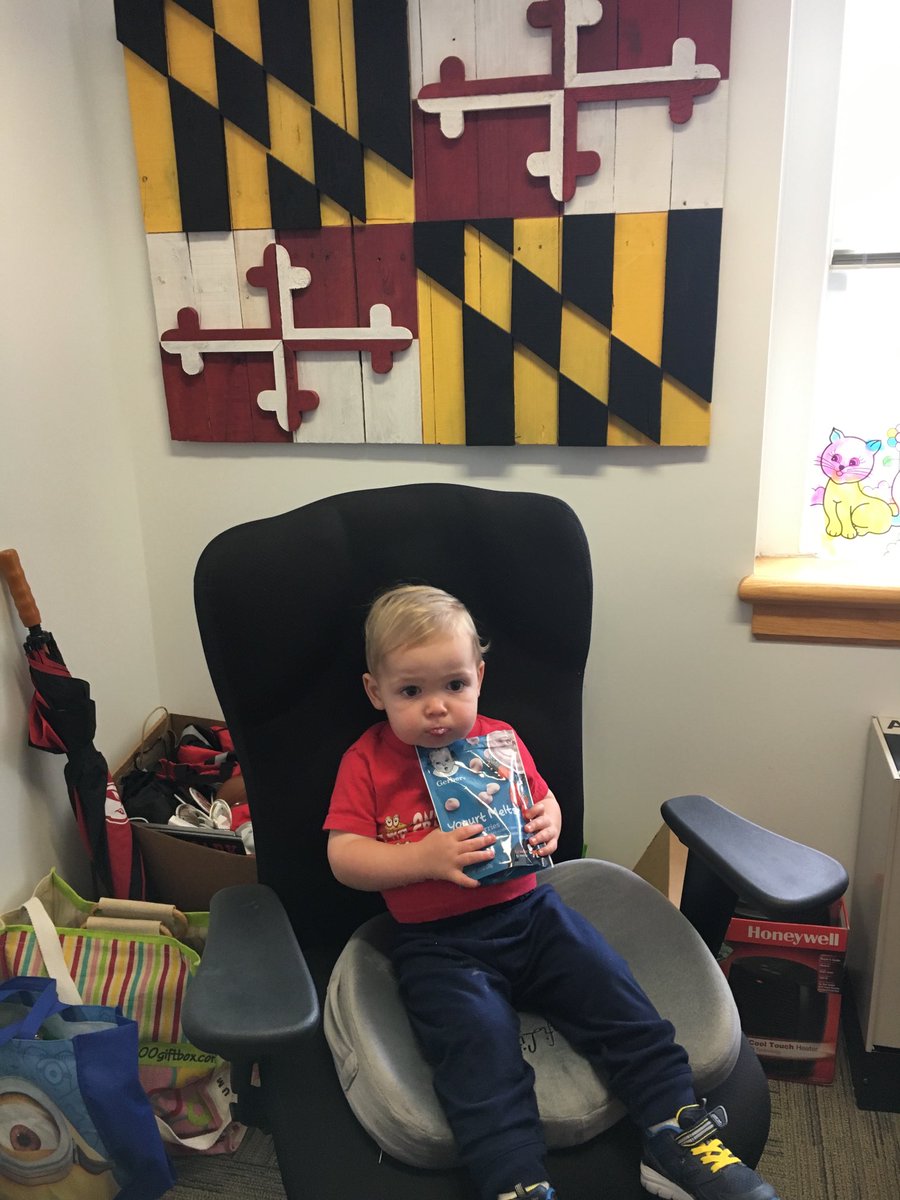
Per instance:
(284,114)
(560,335)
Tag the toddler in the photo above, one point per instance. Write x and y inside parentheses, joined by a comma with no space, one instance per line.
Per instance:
(469,955)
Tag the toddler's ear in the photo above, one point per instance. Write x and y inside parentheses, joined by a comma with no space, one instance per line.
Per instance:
(370,683)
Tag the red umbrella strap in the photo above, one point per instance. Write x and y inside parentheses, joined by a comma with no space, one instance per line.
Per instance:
(41,660)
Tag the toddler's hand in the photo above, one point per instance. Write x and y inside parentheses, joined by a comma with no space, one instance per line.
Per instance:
(444,853)
(543,825)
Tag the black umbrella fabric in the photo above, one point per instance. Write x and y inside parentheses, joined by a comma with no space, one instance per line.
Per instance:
(62,720)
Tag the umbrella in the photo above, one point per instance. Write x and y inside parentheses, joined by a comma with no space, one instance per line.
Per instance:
(62,719)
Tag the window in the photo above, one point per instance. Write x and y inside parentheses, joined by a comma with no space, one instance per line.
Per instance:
(834,385)
(857,381)
(853,512)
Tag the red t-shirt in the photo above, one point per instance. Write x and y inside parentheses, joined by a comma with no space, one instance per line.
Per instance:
(380,793)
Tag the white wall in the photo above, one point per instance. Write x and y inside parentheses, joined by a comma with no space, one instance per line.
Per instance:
(679,697)
(68,500)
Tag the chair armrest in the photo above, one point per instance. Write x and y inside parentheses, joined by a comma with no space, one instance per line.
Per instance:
(252,996)
(784,878)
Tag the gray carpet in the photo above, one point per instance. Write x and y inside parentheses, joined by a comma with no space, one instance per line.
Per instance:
(251,1173)
(821,1147)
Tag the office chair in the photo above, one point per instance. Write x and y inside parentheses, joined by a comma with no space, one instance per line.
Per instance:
(281,604)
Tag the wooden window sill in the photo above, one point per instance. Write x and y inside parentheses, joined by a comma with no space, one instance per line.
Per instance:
(806,600)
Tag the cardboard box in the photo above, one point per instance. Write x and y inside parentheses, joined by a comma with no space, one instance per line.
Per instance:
(786,981)
(180,872)
(663,864)
(186,875)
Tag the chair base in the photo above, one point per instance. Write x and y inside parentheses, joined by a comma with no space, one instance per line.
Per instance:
(323,1150)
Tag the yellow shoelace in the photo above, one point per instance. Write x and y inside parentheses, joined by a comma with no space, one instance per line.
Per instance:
(714,1155)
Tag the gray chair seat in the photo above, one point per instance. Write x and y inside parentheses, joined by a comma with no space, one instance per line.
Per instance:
(388,1084)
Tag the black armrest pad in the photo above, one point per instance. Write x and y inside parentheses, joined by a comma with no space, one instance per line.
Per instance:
(783,877)
(253,995)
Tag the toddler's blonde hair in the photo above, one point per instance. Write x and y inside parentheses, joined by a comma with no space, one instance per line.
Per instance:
(411,614)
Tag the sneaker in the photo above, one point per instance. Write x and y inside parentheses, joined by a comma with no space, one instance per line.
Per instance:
(694,1165)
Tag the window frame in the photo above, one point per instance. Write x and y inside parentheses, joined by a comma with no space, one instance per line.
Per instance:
(798,597)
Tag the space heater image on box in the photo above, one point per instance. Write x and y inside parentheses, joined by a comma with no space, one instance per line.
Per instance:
(781,1010)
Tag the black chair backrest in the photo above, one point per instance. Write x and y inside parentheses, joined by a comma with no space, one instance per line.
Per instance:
(281,604)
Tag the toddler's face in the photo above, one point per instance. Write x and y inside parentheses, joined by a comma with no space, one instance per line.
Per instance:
(429,692)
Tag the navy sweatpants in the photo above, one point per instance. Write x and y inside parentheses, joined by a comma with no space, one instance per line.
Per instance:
(462,980)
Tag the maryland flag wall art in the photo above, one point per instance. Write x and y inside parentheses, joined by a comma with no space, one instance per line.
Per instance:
(467,222)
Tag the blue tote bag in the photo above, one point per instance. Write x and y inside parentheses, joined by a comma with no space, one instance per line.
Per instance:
(75,1123)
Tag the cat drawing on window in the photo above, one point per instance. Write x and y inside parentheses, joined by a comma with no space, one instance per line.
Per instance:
(851,511)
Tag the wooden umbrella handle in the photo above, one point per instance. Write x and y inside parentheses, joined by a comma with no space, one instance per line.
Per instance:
(11,570)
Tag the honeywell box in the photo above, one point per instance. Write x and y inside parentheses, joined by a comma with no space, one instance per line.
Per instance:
(786,982)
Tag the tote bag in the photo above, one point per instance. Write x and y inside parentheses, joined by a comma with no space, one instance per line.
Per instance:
(145,971)
(75,1122)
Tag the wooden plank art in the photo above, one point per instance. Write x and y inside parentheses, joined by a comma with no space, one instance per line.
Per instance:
(482,222)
